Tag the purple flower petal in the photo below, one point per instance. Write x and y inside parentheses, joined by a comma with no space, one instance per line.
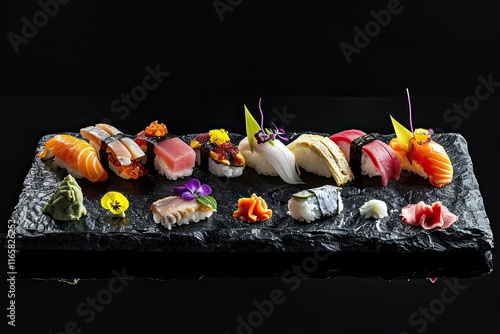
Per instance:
(204,190)
(178,191)
(188,196)
(193,185)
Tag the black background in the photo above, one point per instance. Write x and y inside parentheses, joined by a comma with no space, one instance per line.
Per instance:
(89,53)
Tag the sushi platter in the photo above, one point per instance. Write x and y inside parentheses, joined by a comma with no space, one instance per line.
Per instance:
(222,233)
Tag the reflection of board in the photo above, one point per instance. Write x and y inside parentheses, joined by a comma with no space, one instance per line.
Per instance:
(221,233)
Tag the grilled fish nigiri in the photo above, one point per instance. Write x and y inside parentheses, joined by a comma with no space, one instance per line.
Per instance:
(76,155)
(419,154)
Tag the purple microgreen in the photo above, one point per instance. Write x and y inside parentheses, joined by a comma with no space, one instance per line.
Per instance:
(261,114)
(409,106)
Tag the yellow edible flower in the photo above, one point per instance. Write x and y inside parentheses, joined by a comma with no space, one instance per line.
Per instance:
(115,202)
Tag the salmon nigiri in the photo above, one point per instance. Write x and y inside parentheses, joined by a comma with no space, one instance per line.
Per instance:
(419,154)
(76,155)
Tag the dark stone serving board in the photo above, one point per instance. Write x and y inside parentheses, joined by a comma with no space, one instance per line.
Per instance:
(223,235)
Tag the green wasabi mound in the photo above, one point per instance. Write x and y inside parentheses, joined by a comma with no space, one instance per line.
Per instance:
(66,203)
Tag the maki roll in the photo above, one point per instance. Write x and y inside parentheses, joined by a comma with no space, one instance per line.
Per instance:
(315,203)
(215,151)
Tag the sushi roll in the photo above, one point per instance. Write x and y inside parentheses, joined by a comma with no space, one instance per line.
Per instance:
(315,203)
(75,155)
(123,156)
(368,156)
(319,155)
(215,151)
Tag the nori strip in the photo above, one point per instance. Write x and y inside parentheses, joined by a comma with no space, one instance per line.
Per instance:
(328,199)
(356,151)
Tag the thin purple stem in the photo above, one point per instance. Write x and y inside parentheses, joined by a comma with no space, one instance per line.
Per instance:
(409,105)
(261,115)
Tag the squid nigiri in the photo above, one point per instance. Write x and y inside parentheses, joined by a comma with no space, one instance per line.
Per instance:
(419,154)
(76,155)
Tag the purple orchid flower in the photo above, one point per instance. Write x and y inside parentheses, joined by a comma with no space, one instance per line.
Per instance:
(192,189)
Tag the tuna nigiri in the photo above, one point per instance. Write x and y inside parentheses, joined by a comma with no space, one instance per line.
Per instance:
(76,155)
(368,156)
(419,154)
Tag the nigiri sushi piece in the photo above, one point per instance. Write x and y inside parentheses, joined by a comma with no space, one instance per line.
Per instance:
(123,156)
(135,150)
(152,134)
(191,202)
(419,154)
(175,211)
(319,155)
(214,150)
(315,203)
(264,151)
(174,158)
(76,155)
(368,155)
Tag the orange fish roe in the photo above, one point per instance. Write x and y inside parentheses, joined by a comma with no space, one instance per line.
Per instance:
(133,170)
(252,209)
(156,129)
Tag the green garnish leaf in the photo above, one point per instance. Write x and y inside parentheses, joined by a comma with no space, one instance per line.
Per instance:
(403,134)
(208,201)
(252,127)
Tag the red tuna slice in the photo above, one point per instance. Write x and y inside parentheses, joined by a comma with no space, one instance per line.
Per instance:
(176,154)
(382,155)
(428,216)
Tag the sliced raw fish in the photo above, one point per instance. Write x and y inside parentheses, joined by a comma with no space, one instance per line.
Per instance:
(175,155)
(382,156)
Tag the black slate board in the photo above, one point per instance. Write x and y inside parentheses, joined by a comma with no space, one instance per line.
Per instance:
(345,233)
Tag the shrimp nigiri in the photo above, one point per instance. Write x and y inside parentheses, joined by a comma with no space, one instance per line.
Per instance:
(419,154)
(76,155)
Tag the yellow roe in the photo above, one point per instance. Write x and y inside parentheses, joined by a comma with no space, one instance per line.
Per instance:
(219,137)
(115,202)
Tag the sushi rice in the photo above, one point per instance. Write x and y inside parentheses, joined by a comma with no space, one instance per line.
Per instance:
(173,221)
(224,170)
(305,205)
(163,169)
